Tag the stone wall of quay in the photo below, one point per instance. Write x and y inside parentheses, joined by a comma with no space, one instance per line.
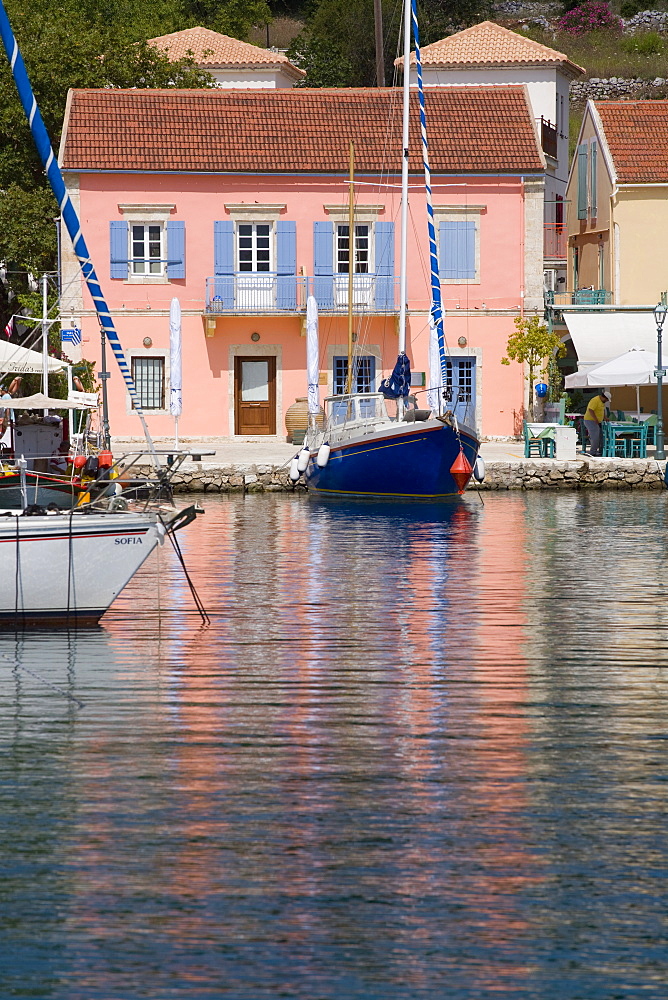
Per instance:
(530,474)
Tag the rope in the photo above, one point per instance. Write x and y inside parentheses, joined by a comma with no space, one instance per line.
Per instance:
(196,598)
(43,680)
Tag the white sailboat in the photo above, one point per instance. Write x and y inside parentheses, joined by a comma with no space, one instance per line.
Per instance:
(68,566)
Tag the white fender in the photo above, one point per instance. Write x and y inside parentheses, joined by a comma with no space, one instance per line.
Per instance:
(294,469)
(303,459)
(323,455)
(479,469)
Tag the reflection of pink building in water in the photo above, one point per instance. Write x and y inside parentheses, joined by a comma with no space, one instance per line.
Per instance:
(236,202)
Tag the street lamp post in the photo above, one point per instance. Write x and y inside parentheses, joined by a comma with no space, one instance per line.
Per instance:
(659,316)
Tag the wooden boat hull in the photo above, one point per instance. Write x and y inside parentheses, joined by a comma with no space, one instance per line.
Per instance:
(412,460)
(40,490)
(68,568)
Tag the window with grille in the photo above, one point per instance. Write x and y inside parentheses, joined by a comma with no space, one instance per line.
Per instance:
(364,375)
(146,251)
(459,381)
(148,375)
(253,246)
(361,262)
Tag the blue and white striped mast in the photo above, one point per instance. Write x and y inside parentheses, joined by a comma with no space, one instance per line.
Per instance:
(68,212)
(436,301)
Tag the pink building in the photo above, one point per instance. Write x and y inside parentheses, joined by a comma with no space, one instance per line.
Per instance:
(236,202)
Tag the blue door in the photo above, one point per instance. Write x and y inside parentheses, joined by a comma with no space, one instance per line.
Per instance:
(460,389)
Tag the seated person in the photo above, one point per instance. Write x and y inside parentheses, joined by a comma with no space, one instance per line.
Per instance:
(60,458)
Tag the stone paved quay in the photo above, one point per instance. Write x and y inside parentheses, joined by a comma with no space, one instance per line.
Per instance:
(256,466)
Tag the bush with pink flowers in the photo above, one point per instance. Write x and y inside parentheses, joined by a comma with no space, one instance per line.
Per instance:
(593,15)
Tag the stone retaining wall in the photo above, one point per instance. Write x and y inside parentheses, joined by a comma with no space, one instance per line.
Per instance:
(583,474)
(530,474)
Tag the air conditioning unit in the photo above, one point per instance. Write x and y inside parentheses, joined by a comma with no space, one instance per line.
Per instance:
(550,279)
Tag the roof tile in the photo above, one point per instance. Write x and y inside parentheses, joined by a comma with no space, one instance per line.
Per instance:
(637,136)
(211,50)
(489,44)
(471,129)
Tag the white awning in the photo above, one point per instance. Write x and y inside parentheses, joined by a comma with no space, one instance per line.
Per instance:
(17,360)
(600,336)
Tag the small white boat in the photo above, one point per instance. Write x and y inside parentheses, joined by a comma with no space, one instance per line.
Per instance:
(68,567)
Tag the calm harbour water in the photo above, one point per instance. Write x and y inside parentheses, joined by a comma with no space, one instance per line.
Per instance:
(420,752)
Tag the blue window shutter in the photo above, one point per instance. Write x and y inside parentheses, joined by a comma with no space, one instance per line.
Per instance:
(582,181)
(223,262)
(384,232)
(593,208)
(323,264)
(176,250)
(286,265)
(118,248)
(457,250)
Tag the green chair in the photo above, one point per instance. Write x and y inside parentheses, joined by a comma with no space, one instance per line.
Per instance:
(650,424)
(638,445)
(532,444)
(537,445)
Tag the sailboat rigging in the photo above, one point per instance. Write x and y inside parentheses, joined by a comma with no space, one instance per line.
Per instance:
(362,449)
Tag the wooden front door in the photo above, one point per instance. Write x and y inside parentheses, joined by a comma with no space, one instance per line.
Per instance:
(254,396)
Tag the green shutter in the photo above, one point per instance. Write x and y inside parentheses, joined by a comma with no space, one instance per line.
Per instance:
(582,181)
(593,208)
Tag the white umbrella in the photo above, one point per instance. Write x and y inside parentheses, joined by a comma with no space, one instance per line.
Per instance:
(175,398)
(635,367)
(312,356)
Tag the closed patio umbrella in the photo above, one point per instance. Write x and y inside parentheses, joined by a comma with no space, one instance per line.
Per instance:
(175,397)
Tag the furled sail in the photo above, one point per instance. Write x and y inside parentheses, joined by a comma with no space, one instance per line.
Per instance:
(399,382)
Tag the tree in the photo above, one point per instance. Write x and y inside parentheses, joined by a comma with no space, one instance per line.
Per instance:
(533,345)
(60,52)
(336,46)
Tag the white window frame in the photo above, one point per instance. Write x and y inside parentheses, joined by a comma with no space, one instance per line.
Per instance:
(146,260)
(254,248)
(370,261)
(147,215)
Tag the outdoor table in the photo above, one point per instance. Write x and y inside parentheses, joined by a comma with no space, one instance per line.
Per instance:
(626,430)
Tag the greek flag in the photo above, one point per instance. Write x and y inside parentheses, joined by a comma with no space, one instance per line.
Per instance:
(72,336)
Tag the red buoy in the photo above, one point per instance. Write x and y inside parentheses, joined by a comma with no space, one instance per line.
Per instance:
(461,470)
(105,460)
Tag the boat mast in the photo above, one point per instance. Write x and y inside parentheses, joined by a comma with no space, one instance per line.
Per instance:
(351,263)
(68,213)
(45,338)
(436,300)
(404,178)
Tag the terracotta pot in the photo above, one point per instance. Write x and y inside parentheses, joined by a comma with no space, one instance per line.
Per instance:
(296,416)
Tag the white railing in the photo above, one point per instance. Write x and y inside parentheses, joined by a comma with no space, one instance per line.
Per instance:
(269,292)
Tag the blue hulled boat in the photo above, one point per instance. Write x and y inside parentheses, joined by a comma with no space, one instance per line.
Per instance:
(362,449)
(370,454)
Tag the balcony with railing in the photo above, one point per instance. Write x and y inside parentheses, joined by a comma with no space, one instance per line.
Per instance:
(555,241)
(581,297)
(548,137)
(270,293)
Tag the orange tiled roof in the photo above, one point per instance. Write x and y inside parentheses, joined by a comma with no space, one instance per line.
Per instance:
(479,129)
(211,50)
(489,45)
(637,136)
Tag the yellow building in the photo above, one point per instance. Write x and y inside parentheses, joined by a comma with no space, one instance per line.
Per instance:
(617,195)
(617,223)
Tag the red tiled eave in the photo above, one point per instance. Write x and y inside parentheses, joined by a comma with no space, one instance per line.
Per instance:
(471,129)
(212,50)
(636,133)
(491,46)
